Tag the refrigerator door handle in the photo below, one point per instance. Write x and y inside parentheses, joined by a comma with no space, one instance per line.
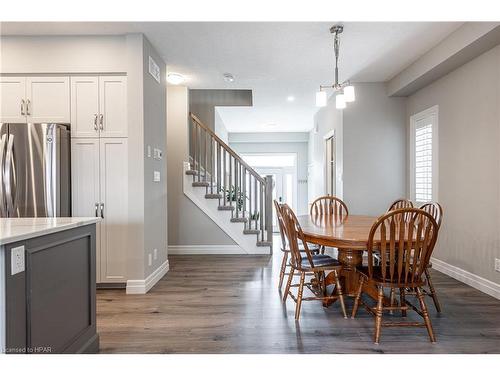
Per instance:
(9,161)
(3,212)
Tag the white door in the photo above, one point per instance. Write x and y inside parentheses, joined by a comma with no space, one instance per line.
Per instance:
(13,99)
(85,184)
(113,106)
(114,210)
(84,107)
(48,99)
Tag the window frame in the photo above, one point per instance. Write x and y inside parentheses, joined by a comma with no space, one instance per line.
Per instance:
(434,113)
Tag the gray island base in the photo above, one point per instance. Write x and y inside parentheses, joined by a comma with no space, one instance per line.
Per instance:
(47,285)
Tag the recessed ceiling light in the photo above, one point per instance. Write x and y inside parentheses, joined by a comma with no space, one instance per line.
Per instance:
(175,78)
(290,98)
(228,77)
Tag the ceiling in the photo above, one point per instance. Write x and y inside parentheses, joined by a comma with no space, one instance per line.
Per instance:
(276,60)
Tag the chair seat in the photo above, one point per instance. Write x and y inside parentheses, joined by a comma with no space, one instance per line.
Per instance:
(378,279)
(319,261)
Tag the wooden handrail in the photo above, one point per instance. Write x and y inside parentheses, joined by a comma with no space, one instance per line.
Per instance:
(227,148)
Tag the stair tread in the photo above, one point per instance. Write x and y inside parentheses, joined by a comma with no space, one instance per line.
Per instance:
(239,220)
(226,208)
(251,231)
(200,184)
(213,196)
(264,243)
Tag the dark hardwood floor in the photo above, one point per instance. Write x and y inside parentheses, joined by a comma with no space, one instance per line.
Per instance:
(231,304)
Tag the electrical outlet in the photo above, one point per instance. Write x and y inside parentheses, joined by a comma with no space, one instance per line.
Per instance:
(17,260)
(149,151)
(497,264)
(155,254)
(150,260)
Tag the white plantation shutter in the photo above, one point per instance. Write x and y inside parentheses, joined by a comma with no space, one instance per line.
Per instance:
(423,161)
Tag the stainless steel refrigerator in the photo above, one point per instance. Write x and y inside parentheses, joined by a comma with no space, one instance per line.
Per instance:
(35,170)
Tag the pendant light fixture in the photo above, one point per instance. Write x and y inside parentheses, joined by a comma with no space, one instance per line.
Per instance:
(344,92)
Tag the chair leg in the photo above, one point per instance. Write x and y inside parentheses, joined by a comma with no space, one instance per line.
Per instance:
(378,314)
(299,295)
(358,297)
(402,299)
(288,283)
(283,269)
(339,292)
(432,290)
(392,299)
(425,313)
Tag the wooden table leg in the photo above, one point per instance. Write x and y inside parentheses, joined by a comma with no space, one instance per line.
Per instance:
(350,259)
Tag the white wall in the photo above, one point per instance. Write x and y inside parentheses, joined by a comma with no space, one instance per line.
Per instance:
(469,162)
(370,149)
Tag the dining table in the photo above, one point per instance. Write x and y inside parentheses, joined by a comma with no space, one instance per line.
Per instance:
(350,237)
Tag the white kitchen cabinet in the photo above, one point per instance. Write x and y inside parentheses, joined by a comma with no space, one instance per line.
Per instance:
(12,99)
(48,99)
(99,188)
(84,107)
(99,106)
(34,99)
(114,209)
(85,185)
(113,106)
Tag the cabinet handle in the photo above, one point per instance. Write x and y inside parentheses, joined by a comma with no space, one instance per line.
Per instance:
(22,108)
(101,118)
(97,210)
(28,107)
(95,122)
(102,210)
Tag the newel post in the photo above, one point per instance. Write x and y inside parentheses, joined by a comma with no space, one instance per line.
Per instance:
(269,209)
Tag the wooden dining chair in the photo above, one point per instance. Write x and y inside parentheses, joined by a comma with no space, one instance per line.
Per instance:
(436,211)
(329,205)
(285,248)
(405,247)
(400,203)
(310,263)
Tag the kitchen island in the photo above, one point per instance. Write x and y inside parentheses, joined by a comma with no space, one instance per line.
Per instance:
(47,285)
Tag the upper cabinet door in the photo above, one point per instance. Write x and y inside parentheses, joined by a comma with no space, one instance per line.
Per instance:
(113,106)
(48,99)
(13,99)
(84,107)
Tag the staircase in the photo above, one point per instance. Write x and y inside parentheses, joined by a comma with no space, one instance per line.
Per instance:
(228,190)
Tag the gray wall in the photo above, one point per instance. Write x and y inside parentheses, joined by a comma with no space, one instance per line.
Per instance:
(371,152)
(469,154)
(155,135)
(187,224)
(203,102)
(374,150)
(245,143)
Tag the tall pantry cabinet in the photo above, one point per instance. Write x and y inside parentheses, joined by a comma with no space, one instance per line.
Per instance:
(100,167)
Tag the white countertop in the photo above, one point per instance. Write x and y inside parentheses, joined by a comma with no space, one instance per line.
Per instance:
(19,229)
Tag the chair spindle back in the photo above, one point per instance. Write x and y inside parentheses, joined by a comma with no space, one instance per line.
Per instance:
(328,205)
(403,246)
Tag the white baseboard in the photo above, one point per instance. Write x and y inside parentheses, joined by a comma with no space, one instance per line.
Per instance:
(143,286)
(478,282)
(204,249)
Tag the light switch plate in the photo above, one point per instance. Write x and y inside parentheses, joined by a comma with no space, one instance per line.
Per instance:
(17,260)
(150,260)
(156,176)
(149,151)
(155,254)
(497,264)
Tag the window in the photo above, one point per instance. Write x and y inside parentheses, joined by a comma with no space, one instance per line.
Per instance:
(423,155)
